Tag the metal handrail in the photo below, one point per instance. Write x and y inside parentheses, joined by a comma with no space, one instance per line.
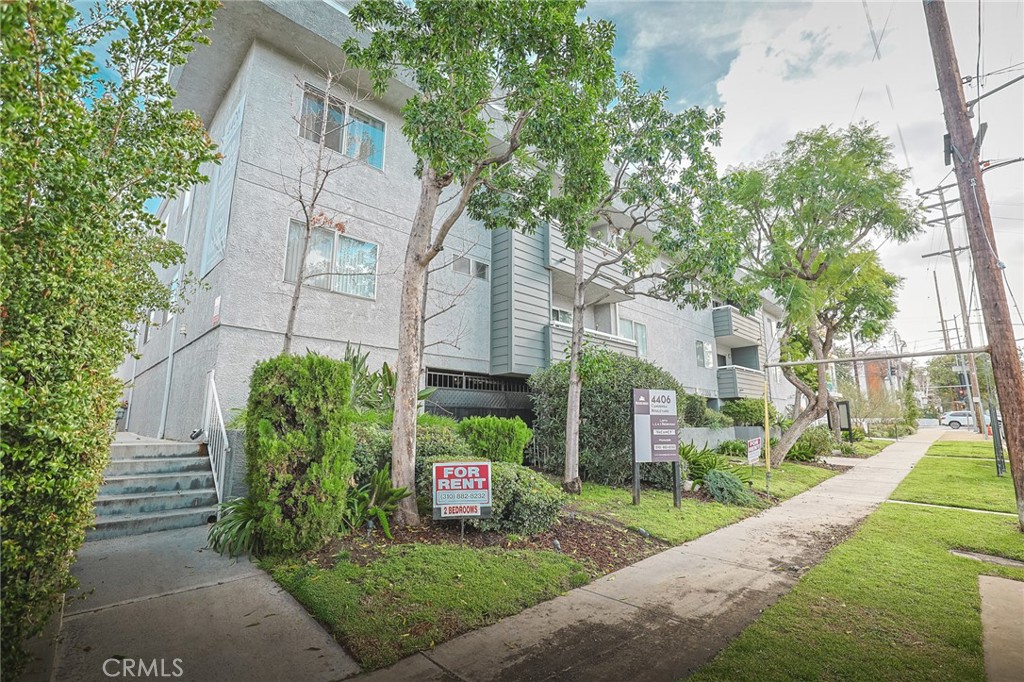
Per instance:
(216,435)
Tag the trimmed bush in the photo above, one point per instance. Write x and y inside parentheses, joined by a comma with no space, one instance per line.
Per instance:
(727,488)
(814,442)
(606,444)
(299,449)
(524,503)
(435,437)
(749,412)
(496,438)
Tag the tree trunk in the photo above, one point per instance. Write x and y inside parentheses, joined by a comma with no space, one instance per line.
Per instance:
(571,482)
(410,350)
(833,417)
(289,330)
(816,407)
(790,435)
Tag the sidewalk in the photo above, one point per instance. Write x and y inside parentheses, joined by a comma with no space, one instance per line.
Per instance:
(664,617)
(164,596)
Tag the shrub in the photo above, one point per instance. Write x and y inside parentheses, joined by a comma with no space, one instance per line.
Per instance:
(435,437)
(374,502)
(814,442)
(523,502)
(732,448)
(727,488)
(749,412)
(858,434)
(716,420)
(701,461)
(236,532)
(606,445)
(497,439)
(299,449)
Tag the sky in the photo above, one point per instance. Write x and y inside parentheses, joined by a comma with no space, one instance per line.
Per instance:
(777,68)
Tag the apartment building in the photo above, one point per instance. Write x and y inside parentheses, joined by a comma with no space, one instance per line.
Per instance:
(505,296)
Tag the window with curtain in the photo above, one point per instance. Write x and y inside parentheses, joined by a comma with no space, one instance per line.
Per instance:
(700,355)
(312,118)
(335,262)
(365,138)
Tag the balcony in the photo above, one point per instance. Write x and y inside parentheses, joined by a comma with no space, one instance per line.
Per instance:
(561,337)
(733,329)
(561,261)
(740,382)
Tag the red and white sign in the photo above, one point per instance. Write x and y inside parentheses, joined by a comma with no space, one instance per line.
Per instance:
(457,510)
(753,450)
(463,484)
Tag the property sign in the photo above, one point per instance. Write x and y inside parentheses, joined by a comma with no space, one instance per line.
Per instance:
(655,426)
(753,450)
(462,489)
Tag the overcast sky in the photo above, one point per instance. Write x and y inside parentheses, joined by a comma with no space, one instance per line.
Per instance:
(778,68)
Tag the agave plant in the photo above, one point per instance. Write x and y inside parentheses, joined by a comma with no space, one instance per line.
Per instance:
(374,502)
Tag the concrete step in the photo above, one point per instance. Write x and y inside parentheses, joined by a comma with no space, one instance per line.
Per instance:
(135,524)
(155,465)
(160,449)
(157,483)
(144,503)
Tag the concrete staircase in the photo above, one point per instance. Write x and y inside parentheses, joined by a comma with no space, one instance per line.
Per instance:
(152,485)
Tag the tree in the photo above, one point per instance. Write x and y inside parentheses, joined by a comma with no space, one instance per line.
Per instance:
(810,219)
(911,412)
(947,375)
(505,95)
(658,210)
(319,122)
(82,152)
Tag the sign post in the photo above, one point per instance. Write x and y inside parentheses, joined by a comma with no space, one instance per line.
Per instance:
(462,490)
(656,436)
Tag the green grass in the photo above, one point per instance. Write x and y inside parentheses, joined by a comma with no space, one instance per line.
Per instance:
(889,604)
(958,483)
(964,448)
(791,479)
(869,447)
(657,516)
(415,596)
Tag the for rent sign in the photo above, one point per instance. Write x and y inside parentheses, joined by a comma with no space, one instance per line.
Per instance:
(461,489)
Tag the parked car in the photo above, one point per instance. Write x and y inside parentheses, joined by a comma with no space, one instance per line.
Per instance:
(955,420)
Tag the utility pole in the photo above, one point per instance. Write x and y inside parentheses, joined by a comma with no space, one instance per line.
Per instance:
(942,320)
(853,354)
(972,367)
(1006,368)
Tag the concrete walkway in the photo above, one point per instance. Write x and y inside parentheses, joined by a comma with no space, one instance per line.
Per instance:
(1002,620)
(664,617)
(164,597)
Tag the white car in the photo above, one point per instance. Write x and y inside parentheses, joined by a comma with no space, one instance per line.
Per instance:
(955,420)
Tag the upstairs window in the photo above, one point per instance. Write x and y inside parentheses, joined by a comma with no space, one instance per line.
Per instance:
(559,315)
(472,267)
(705,354)
(335,262)
(636,332)
(348,130)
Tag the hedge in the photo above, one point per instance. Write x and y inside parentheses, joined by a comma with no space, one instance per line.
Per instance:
(435,437)
(749,412)
(606,446)
(298,449)
(523,502)
(496,438)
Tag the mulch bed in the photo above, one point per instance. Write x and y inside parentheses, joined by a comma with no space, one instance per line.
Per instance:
(601,547)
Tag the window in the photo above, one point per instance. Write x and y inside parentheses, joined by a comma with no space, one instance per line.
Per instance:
(471,266)
(151,323)
(705,354)
(175,283)
(347,129)
(635,331)
(335,261)
(559,315)
(186,200)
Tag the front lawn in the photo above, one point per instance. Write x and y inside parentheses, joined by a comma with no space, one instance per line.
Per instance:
(953,482)
(889,604)
(869,447)
(964,448)
(417,595)
(695,518)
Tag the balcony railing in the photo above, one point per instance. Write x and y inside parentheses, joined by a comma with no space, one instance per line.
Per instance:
(735,328)
(735,381)
(561,258)
(561,337)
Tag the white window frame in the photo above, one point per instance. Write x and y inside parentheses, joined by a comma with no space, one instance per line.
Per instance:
(474,264)
(334,252)
(632,335)
(557,312)
(310,89)
(706,359)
